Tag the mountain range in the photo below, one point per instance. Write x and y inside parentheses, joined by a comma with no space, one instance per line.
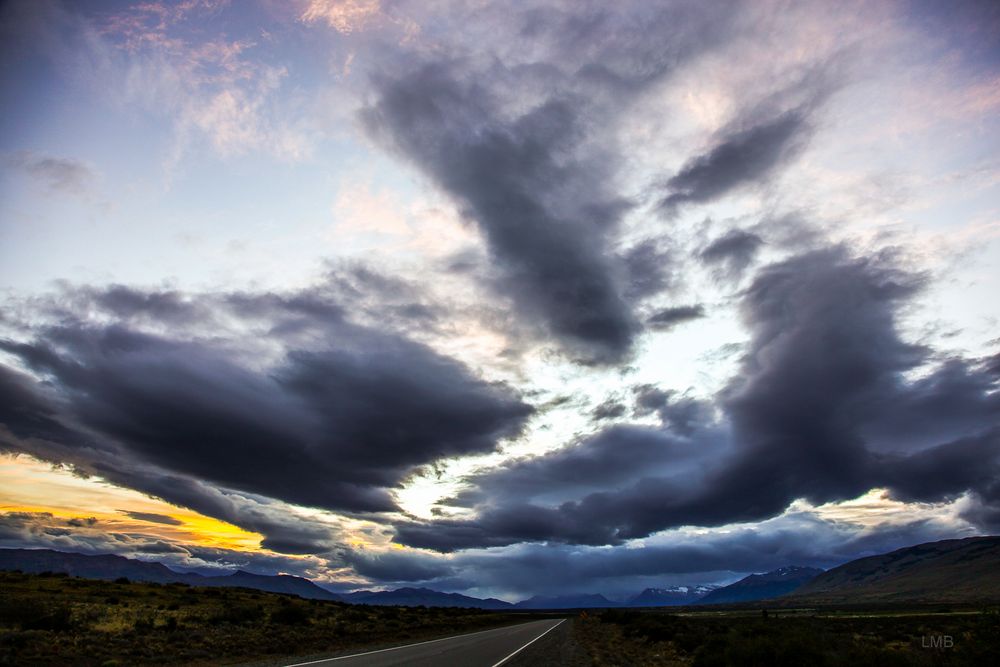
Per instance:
(772,584)
(115,567)
(581,601)
(949,571)
(414,597)
(674,596)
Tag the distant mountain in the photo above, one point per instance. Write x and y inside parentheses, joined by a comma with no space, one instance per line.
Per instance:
(280,583)
(949,571)
(115,567)
(83,565)
(566,602)
(772,584)
(414,597)
(670,597)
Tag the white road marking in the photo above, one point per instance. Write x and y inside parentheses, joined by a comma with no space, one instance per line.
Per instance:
(429,641)
(529,643)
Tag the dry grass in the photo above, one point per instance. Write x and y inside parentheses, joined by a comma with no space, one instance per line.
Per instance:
(55,619)
(830,639)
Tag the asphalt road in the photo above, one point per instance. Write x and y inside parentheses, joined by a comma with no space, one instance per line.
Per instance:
(487,648)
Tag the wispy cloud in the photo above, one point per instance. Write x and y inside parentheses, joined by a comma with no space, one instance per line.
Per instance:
(64,175)
(344,16)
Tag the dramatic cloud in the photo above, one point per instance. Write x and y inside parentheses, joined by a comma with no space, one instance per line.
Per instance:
(554,295)
(741,158)
(802,536)
(397,567)
(805,424)
(732,253)
(523,149)
(668,318)
(43,530)
(153,517)
(507,174)
(648,269)
(609,409)
(332,425)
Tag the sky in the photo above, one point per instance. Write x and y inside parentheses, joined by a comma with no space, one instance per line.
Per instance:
(506,299)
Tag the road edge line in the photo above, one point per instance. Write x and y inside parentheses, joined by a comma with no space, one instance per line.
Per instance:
(395,648)
(529,643)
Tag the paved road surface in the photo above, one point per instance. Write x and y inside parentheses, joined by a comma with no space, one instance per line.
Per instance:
(487,648)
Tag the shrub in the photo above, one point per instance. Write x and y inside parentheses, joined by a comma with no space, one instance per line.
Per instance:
(33,615)
(237,615)
(143,624)
(291,615)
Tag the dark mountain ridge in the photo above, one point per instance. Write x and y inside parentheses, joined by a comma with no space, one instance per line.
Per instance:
(580,601)
(673,596)
(114,567)
(950,571)
(965,570)
(765,586)
(414,597)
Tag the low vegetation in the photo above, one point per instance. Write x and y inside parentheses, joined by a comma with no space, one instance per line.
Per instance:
(53,619)
(850,638)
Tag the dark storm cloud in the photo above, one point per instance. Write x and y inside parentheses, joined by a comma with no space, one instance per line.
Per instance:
(741,158)
(506,174)
(649,270)
(611,408)
(329,413)
(25,412)
(819,411)
(614,455)
(78,522)
(327,428)
(683,415)
(680,557)
(395,566)
(158,305)
(153,517)
(668,318)
(732,253)
(518,135)
(984,509)
(798,539)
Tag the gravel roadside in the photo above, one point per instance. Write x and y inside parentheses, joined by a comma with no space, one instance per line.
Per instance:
(558,647)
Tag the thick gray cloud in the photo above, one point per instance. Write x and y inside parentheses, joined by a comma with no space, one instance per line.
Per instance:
(744,157)
(649,270)
(518,135)
(818,411)
(613,456)
(668,318)
(153,517)
(732,253)
(551,253)
(236,404)
(396,567)
(678,557)
(681,414)
(611,408)
(333,424)
(310,433)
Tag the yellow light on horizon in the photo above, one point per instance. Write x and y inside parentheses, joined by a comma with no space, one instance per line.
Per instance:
(31,485)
